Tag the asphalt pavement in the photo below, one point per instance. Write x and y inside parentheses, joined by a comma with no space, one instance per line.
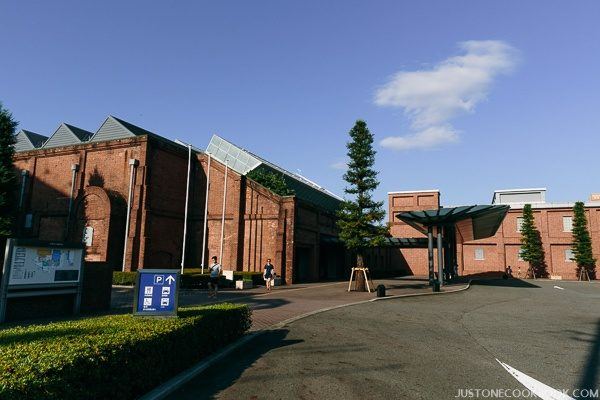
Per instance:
(430,347)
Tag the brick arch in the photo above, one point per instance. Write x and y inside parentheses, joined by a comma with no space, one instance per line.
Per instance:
(95,208)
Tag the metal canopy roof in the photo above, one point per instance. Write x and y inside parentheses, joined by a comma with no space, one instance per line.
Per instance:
(472,222)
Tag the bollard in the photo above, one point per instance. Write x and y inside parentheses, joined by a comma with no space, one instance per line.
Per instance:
(380,291)
(436,286)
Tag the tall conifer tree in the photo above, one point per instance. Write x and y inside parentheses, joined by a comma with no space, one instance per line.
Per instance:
(532,250)
(582,242)
(8,178)
(360,217)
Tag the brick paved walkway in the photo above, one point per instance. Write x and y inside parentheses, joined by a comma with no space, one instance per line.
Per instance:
(285,302)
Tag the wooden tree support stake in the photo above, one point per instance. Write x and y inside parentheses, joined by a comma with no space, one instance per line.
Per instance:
(584,274)
(368,279)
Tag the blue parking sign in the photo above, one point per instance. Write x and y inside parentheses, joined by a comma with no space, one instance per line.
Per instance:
(156,292)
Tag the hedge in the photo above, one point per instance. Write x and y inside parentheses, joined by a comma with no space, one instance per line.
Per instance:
(193,278)
(112,357)
(124,278)
(196,280)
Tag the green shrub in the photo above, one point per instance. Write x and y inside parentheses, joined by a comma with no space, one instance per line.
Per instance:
(124,278)
(112,357)
(193,278)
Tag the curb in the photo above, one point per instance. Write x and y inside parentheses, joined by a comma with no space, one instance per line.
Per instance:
(468,285)
(174,383)
(182,378)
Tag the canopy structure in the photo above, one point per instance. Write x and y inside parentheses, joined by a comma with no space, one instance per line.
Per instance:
(472,222)
(463,223)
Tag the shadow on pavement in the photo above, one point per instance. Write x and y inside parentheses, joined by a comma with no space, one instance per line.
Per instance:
(122,299)
(589,376)
(262,303)
(408,286)
(226,372)
(513,282)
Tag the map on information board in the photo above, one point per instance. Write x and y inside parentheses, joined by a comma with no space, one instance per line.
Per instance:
(44,265)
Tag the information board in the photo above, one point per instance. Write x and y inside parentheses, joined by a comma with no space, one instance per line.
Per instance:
(34,268)
(39,265)
(156,292)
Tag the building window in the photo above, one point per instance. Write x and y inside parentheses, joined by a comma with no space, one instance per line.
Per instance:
(569,255)
(567,224)
(520,255)
(479,254)
(28,221)
(519,223)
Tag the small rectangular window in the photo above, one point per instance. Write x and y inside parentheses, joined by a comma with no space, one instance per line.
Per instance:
(567,224)
(28,221)
(479,254)
(569,255)
(519,223)
(520,255)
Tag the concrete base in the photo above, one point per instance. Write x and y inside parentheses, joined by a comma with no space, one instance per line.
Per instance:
(243,285)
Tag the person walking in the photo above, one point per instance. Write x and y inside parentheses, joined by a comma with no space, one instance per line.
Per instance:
(269,274)
(215,273)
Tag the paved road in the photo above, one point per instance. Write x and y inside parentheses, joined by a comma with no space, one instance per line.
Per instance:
(286,302)
(421,348)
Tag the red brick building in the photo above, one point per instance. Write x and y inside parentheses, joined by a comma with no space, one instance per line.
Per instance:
(501,250)
(77,185)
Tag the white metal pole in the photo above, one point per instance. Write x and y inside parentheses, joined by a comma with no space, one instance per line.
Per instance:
(24,175)
(204,244)
(132,163)
(187,196)
(223,214)
(74,169)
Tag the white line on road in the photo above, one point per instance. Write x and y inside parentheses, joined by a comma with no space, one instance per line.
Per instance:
(541,390)
(558,287)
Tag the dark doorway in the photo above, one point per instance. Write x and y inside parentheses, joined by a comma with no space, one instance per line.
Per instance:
(331,261)
(302,264)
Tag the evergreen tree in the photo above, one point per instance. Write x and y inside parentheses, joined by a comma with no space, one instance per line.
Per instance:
(582,242)
(275,182)
(8,178)
(360,218)
(532,250)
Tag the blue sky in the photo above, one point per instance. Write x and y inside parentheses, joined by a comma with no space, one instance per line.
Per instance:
(462,96)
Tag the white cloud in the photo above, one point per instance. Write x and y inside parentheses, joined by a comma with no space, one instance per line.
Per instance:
(340,165)
(427,138)
(431,98)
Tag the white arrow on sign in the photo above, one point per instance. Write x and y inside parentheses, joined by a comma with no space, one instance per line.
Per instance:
(536,387)
(170,279)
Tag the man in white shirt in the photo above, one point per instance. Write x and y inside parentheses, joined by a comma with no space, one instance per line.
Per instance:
(215,273)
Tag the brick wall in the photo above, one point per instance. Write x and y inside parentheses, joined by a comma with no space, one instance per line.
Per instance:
(258,223)
(502,249)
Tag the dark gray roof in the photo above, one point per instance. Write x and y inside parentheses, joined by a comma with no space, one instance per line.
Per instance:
(472,222)
(81,134)
(136,130)
(242,161)
(116,128)
(67,135)
(27,140)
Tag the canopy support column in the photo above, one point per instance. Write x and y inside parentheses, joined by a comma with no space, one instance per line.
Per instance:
(430,253)
(440,256)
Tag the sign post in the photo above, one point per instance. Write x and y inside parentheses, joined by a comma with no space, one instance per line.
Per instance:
(38,268)
(156,292)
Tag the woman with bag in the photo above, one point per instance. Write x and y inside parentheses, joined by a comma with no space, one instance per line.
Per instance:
(269,274)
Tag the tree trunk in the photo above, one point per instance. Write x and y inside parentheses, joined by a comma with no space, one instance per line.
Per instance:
(361,285)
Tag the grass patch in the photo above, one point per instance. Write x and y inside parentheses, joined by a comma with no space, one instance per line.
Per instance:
(112,357)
